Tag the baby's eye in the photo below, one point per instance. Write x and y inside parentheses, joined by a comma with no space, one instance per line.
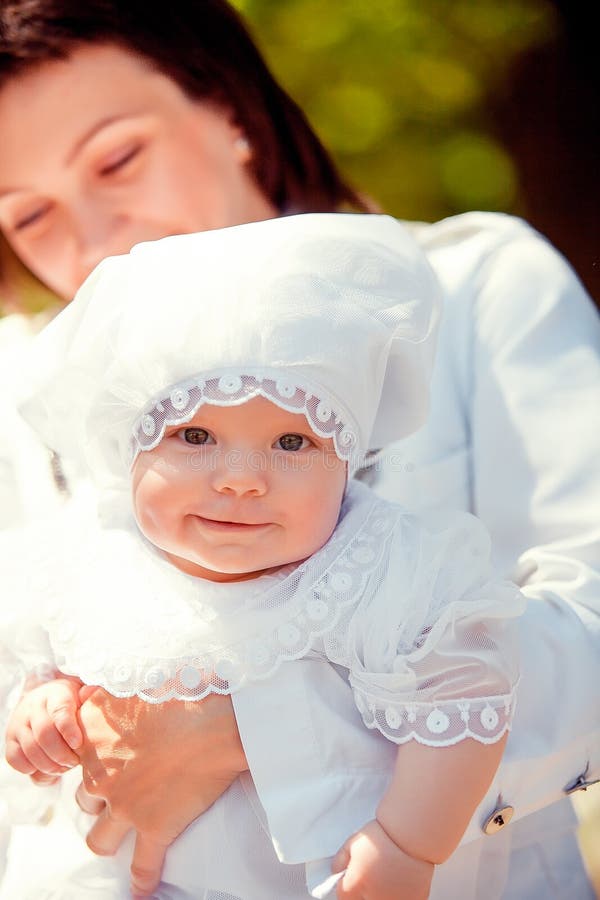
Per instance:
(292,442)
(195,436)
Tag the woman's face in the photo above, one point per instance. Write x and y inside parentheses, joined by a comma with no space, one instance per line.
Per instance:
(100,152)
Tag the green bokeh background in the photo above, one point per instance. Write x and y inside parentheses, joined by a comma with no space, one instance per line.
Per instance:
(398,90)
(434,107)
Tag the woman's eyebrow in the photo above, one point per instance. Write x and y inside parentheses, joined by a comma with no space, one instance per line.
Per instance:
(80,144)
(92,132)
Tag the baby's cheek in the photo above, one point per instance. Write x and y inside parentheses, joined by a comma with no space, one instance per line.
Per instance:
(312,530)
(149,500)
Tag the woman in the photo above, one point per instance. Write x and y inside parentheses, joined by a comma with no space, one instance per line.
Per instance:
(138,126)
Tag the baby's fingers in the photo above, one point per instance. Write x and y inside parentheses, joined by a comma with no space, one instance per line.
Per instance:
(17,759)
(348,886)
(51,743)
(341,859)
(62,703)
(25,755)
(44,780)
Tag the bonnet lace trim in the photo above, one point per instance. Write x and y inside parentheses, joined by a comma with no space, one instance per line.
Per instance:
(233,388)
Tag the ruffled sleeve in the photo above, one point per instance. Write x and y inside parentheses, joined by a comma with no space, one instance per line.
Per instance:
(432,648)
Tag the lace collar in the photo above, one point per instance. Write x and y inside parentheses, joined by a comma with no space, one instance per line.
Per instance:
(133,624)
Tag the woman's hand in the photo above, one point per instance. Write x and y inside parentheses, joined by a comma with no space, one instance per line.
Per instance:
(157,767)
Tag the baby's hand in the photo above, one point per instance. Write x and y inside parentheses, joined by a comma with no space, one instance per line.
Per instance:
(376,869)
(43,730)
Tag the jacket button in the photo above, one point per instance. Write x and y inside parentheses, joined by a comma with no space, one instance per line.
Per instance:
(581,783)
(498,819)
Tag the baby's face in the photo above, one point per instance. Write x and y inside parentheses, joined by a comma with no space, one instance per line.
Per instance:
(239,491)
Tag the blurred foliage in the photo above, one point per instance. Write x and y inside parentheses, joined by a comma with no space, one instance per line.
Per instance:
(398,90)
(20,291)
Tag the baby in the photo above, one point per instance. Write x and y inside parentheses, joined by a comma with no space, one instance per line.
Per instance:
(224,388)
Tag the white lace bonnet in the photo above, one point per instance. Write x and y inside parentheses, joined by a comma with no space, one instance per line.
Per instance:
(329,315)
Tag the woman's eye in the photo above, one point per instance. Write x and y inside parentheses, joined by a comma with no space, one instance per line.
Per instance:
(292,442)
(195,436)
(31,218)
(119,160)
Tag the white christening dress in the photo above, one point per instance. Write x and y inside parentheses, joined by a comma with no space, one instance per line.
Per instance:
(398,631)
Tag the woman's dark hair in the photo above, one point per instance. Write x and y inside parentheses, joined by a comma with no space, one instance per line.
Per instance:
(204,46)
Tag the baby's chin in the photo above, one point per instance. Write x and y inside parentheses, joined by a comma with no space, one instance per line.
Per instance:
(226,572)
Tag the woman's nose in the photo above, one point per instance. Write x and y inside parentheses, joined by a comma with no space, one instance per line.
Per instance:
(97,236)
(101,231)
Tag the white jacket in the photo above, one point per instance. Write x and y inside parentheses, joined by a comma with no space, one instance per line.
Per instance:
(513,436)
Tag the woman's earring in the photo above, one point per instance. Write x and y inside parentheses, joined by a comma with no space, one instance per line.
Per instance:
(242,145)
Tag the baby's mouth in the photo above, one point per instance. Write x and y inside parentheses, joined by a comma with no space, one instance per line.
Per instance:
(228,525)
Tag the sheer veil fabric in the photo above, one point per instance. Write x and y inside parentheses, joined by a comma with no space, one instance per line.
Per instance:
(332,316)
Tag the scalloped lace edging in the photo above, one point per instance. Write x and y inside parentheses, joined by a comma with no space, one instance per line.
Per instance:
(193,677)
(486,719)
(230,388)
